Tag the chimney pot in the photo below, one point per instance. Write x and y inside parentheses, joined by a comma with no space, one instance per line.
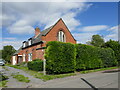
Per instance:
(37,31)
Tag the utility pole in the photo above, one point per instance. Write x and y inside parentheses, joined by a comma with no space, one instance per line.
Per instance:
(44,66)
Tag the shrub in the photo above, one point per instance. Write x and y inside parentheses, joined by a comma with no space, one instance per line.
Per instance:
(60,57)
(108,57)
(36,65)
(87,57)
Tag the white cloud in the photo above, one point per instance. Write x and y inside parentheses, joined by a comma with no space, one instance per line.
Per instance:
(113,33)
(94,28)
(19,17)
(9,38)
(83,37)
(15,44)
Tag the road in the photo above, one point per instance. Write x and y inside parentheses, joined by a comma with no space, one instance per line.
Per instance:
(102,79)
(91,80)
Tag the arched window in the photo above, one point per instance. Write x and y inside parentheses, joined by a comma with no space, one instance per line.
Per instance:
(61,36)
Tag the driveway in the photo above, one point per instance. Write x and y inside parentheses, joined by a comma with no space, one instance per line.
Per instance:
(108,79)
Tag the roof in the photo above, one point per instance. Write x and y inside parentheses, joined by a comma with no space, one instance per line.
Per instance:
(38,39)
(17,51)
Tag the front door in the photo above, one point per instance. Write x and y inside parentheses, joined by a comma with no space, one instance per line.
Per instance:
(19,59)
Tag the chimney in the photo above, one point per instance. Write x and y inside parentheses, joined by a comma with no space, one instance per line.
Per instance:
(37,31)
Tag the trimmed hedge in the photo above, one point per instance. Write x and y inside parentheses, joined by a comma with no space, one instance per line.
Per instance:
(36,65)
(60,57)
(87,57)
(90,57)
(107,56)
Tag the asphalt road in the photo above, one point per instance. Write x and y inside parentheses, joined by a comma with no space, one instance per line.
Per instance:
(107,79)
(104,79)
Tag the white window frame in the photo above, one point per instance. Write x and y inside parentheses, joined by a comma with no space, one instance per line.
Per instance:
(30,57)
(24,44)
(30,42)
(61,36)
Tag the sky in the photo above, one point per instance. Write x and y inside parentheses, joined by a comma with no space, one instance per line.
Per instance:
(83,19)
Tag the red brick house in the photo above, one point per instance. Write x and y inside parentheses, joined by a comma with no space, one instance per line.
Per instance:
(33,48)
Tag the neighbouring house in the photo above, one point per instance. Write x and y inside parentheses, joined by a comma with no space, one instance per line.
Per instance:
(33,48)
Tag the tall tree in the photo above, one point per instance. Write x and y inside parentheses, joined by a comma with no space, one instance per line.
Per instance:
(115,46)
(0,54)
(7,52)
(97,40)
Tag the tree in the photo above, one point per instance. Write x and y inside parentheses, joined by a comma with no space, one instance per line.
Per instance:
(97,40)
(115,46)
(0,54)
(7,52)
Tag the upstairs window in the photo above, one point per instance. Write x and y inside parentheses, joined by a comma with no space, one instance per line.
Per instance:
(24,45)
(61,36)
(29,42)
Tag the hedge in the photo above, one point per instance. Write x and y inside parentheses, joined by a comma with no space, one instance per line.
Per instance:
(90,57)
(107,56)
(87,57)
(60,57)
(36,65)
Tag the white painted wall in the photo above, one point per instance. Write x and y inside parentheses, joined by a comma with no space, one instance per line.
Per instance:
(14,60)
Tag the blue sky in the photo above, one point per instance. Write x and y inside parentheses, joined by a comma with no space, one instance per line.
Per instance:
(83,19)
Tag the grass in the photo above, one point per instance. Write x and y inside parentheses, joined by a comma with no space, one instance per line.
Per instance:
(5,68)
(20,77)
(3,83)
(40,74)
(3,80)
(96,70)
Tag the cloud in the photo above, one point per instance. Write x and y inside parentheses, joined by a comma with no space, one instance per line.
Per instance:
(19,17)
(94,28)
(9,38)
(15,44)
(113,33)
(83,37)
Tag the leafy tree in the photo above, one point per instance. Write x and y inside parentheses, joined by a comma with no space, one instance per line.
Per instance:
(97,40)
(7,52)
(0,54)
(115,46)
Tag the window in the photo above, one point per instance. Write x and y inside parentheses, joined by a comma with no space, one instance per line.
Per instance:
(23,44)
(30,42)
(61,36)
(30,57)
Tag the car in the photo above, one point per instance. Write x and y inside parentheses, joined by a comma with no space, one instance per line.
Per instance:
(2,62)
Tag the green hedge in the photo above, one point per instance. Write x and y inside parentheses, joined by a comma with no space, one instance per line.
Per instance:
(87,57)
(60,57)
(90,57)
(36,65)
(107,56)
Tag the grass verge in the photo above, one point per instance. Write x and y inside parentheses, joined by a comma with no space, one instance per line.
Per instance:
(3,80)
(40,74)
(3,83)
(20,77)
(96,70)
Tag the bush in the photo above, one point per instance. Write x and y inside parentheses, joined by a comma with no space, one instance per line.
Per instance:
(87,57)
(36,65)
(108,57)
(60,57)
